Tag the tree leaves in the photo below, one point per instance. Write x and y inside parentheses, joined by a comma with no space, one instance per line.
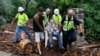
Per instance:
(8,8)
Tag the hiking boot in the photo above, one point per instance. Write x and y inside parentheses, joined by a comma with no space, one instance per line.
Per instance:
(16,42)
(51,46)
(40,55)
(62,48)
(63,51)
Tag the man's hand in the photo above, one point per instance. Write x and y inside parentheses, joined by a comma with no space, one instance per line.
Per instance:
(81,30)
(27,22)
(22,24)
(81,34)
(44,30)
(60,26)
(12,22)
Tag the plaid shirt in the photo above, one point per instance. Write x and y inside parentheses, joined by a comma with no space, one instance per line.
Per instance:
(52,28)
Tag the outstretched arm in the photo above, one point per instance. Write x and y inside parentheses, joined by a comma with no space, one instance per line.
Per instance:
(14,20)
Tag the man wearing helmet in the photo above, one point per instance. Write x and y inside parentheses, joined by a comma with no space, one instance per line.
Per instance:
(57,17)
(68,23)
(22,20)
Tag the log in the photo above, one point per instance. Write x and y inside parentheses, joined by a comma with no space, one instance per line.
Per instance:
(9,32)
(89,46)
(26,46)
(4,41)
(24,42)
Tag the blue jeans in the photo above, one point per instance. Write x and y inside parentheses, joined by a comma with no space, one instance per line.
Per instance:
(58,39)
(18,29)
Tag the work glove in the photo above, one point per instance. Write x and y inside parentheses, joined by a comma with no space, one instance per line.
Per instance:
(81,34)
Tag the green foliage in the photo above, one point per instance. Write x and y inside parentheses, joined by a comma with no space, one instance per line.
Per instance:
(2,20)
(92,19)
(8,9)
(32,8)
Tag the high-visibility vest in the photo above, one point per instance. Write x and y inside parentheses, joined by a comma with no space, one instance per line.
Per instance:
(46,18)
(57,18)
(68,25)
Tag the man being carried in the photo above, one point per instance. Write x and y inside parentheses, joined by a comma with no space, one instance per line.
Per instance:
(53,31)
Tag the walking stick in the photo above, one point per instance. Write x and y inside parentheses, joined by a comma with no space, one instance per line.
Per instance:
(46,39)
(46,35)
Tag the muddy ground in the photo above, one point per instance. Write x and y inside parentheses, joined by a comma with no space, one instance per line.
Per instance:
(86,48)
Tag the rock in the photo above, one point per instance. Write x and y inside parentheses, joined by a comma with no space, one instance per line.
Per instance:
(81,43)
(4,53)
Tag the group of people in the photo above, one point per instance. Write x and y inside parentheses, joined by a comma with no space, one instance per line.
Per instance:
(54,26)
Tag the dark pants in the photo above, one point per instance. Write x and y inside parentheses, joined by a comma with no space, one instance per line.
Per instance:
(18,29)
(68,37)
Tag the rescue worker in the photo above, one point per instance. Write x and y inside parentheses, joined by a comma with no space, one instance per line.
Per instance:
(57,20)
(38,28)
(22,20)
(68,24)
(57,17)
(46,15)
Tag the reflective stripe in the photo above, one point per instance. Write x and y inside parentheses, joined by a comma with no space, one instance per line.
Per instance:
(68,25)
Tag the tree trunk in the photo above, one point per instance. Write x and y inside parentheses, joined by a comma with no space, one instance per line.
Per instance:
(27,2)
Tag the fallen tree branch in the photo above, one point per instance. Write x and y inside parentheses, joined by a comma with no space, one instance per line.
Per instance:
(9,32)
(5,41)
(89,46)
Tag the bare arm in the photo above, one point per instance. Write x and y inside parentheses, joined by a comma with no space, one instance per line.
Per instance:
(60,26)
(13,20)
(81,28)
(26,21)
(79,24)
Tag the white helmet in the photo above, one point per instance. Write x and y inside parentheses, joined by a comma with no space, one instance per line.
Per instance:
(56,11)
(20,9)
